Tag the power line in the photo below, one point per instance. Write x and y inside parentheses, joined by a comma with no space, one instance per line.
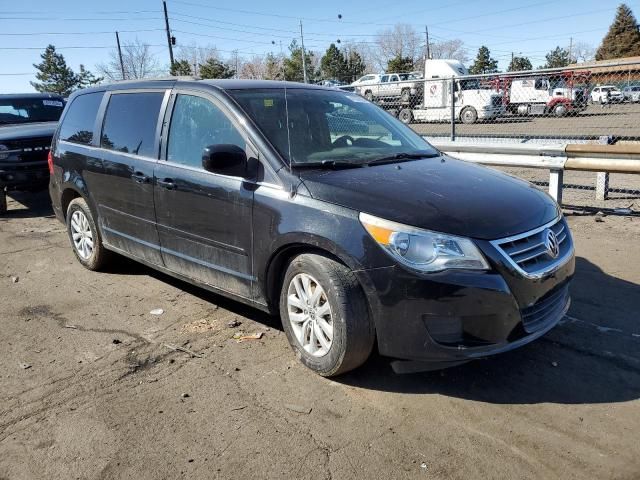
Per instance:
(30,34)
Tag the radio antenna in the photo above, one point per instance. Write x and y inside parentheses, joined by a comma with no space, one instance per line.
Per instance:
(286,109)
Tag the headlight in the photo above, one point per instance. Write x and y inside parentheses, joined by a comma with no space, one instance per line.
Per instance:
(423,250)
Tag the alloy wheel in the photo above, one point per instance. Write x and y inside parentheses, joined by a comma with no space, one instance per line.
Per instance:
(310,314)
(81,234)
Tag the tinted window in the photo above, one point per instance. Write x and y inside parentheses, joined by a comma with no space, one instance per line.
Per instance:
(26,110)
(197,123)
(77,126)
(130,123)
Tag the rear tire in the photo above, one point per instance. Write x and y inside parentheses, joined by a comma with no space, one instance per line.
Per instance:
(368,95)
(330,329)
(84,236)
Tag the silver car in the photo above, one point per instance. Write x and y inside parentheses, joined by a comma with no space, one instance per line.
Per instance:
(631,93)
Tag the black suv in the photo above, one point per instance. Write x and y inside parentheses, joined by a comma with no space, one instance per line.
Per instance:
(27,124)
(314,203)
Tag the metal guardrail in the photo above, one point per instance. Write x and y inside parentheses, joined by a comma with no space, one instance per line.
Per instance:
(604,159)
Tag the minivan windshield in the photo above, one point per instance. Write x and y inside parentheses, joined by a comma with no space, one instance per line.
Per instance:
(29,110)
(329,127)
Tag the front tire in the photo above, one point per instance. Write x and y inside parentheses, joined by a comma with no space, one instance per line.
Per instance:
(368,95)
(84,236)
(469,115)
(325,316)
(405,116)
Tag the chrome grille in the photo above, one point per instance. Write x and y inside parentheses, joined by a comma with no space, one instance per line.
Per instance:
(546,310)
(528,253)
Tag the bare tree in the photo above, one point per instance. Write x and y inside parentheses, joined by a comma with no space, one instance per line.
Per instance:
(401,41)
(449,49)
(365,51)
(582,52)
(255,68)
(196,55)
(137,59)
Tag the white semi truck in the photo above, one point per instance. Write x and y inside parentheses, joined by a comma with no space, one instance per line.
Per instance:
(472,101)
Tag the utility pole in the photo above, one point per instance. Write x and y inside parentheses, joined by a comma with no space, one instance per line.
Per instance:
(426,32)
(570,49)
(120,56)
(166,23)
(304,55)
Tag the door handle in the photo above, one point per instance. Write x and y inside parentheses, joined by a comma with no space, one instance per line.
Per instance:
(140,177)
(167,183)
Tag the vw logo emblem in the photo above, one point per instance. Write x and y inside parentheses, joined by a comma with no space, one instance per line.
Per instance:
(551,243)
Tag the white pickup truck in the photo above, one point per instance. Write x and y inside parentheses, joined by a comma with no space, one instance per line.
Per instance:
(402,86)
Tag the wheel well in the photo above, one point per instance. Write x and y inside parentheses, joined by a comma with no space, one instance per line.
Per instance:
(278,266)
(68,195)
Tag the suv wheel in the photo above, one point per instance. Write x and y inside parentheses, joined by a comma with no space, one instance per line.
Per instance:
(84,236)
(325,315)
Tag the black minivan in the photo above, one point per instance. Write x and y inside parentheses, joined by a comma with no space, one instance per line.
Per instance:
(317,204)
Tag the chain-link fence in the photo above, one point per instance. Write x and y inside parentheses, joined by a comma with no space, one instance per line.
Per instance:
(591,103)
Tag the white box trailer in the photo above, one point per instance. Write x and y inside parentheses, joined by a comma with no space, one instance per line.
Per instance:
(472,102)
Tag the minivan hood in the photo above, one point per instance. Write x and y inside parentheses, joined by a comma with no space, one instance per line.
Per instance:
(441,194)
(19,131)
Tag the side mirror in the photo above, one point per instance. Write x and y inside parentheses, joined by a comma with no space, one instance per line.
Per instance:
(225,159)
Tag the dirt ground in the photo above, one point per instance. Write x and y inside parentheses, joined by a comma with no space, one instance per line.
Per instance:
(104,397)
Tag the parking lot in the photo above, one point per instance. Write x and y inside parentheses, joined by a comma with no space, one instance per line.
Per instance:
(93,386)
(618,120)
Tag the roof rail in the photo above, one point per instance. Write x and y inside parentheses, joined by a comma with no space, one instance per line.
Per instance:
(166,78)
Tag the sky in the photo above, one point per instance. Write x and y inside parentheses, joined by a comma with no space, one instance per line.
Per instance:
(83,30)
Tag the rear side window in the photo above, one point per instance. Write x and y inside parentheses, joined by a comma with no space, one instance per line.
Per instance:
(197,123)
(130,123)
(77,125)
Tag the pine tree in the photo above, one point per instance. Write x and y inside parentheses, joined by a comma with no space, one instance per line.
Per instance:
(557,58)
(86,78)
(53,74)
(272,67)
(355,66)
(399,64)
(214,68)
(333,65)
(293,64)
(623,37)
(180,68)
(483,62)
(519,63)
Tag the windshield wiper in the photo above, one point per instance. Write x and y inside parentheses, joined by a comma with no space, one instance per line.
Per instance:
(404,156)
(329,164)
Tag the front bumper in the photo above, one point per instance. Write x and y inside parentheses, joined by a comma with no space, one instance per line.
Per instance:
(24,175)
(452,317)
(491,112)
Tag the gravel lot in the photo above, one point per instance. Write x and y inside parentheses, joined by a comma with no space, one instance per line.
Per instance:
(103,396)
(619,120)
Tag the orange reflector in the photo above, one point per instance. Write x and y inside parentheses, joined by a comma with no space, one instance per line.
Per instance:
(380,234)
